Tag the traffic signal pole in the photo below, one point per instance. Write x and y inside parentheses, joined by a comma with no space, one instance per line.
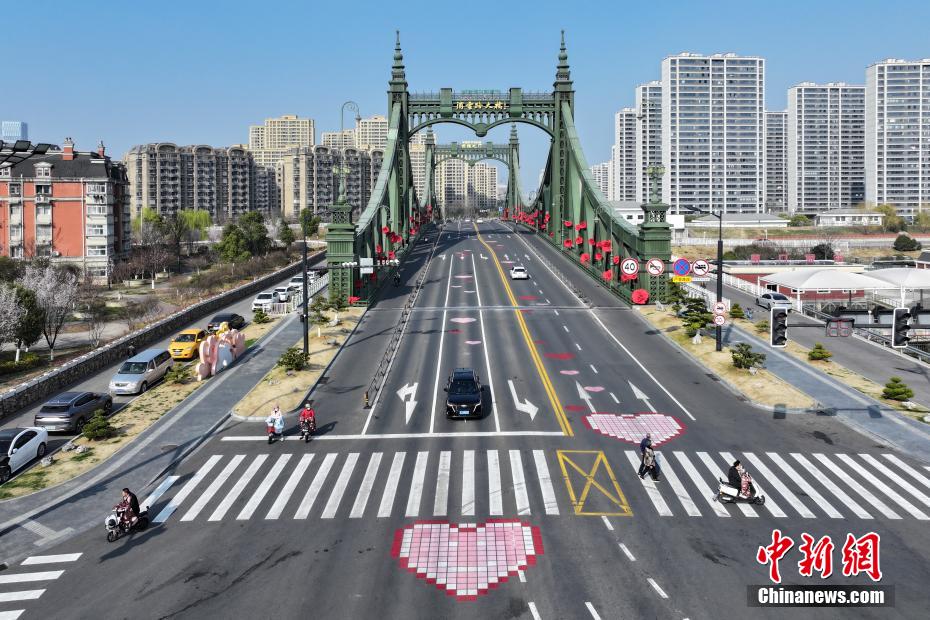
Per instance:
(306,304)
(719,276)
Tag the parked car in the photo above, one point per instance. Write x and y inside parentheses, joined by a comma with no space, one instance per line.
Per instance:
(774,300)
(140,372)
(69,411)
(18,446)
(233,320)
(283,293)
(518,272)
(264,301)
(463,394)
(298,282)
(186,345)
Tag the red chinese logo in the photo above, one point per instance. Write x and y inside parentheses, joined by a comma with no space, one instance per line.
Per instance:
(773,553)
(817,557)
(860,555)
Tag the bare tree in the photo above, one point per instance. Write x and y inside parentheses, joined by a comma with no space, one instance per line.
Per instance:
(95,315)
(56,292)
(136,314)
(11,313)
(152,240)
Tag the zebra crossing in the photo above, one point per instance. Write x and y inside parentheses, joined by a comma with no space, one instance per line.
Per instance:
(477,483)
(36,580)
(827,482)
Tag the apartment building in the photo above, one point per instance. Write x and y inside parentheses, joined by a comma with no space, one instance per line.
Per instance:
(776,161)
(897,127)
(309,178)
(344,139)
(371,133)
(603,176)
(826,146)
(271,141)
(620,181)
(69,205)
(648,136)
(712,132)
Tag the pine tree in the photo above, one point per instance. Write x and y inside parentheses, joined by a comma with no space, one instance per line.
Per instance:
(895,389)
(819,353)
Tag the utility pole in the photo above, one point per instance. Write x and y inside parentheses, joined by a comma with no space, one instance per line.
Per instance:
(306,318)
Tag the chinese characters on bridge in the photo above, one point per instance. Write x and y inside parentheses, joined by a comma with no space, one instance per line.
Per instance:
(481,105)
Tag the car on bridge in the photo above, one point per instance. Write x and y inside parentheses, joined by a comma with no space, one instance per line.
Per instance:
(69,411)
(18,446)
(518,272)
(463,394)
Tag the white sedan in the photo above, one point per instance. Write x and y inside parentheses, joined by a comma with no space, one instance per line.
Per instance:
(18,446)
(519,273)
(774,300)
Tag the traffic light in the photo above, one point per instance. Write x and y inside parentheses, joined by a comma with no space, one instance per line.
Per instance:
(778,327)
(900,325)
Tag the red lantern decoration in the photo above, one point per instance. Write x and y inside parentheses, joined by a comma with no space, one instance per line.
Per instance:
(568,224)
(552,234)
(608,275)
(547,217)
(640,296)
(385,229)
(585,257)
(608,246)
(567,243)
(598,256)
(616,260)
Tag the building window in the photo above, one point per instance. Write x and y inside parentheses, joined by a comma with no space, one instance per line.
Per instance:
(96,230)
(43,172)
(96,250)
(43,190)
(43,211)
(5,171)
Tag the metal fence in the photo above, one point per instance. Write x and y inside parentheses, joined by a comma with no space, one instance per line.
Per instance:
(297,297)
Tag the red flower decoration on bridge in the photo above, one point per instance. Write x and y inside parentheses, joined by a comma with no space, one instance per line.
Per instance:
(385,229)
(585,257)
(615,260)
(608,275)
(640,296)
(591,241)
(567,224)
(581,226)
(579,240)
(552,234)
(547,217)
(353,299)
(567,243)
(378,249)
(598,256)
(392,255)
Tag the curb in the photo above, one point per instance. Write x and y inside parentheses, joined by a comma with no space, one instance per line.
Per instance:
(197,443)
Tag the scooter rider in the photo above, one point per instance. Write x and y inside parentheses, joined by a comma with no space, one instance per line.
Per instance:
(734,477)
(129,507)
(276,420)
(308,415)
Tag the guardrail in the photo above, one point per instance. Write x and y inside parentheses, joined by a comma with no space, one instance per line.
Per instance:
(297,298)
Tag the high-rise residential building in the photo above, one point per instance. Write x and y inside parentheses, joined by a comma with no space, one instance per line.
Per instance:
(271,141)
(648,135)
(371,133)
(68,205)
(418,163)
(712,132)
(470,186)
(776,161)
(168,178)
(309,178)
(621,181)
(482,186)
(344,139)
(11,131)
(602,173)
(897,134)
(826,146)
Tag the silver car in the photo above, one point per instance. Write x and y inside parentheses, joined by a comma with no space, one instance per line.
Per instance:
(774,300)
(140,372)
(69,411)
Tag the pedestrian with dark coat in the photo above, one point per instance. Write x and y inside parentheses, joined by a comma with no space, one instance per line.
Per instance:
(645,443)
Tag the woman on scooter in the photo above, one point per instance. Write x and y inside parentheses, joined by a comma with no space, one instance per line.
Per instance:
(307,417)
(275,422)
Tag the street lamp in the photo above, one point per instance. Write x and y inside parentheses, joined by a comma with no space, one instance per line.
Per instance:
(719,217)
(13,153)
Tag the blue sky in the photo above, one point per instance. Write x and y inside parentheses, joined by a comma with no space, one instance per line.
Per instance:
(202,72)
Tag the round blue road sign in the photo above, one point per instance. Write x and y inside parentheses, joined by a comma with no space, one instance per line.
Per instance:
(681,267)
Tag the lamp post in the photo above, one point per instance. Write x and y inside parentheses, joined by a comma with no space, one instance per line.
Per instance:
(719,217)
(12,153)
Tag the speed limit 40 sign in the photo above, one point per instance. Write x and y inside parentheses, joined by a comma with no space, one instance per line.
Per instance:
(629,266)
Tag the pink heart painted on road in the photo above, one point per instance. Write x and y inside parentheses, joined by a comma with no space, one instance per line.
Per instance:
(463,319)
(454,331)
(472,342)
(593,388)
(467,559)
(569,372)
(633,427)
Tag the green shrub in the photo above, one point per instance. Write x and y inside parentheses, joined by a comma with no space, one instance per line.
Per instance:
(26,362)
(819,353)
(762,327)
(99,427)
(260,316)
(736,312)
(906,243)
(178,373)
(895,389)
(293,359)
(745,357)
(675,296)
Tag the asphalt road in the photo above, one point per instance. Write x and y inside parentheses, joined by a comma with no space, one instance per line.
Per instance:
(516,515)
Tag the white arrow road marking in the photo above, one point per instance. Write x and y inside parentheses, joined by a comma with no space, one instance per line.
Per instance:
(484,257)
(526,406)
(506,257)
(442,256)
(638,393)
(527,256)
(409,403)
(583,395)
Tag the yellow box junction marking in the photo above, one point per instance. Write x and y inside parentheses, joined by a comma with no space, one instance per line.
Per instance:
(534,354)
(614,496)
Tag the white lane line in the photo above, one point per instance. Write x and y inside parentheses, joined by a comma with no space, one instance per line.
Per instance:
(408,436)
(24,595)
(468,483)
(770,477)
(214,487)
(840,494)
(656,587)
(252,505)
(903,503)
(566,329)
(280,502)
(51,559)
(484,345)
(594,369)
(669,474)
(904,484)
(416,485)
(11,615)
(578,346)
(533,611)
(703,489)
(910,470)
(522,576)
(519,483)
(364,491)
(240,485)
(857,487)
(441,498)
(335,498)
(306,504)
(37,576)
(442,338)
(627,552)
(390,489)
(495,498)
(556,312)
(607,523)
(186,490)
(650,486)
(770,504)
(616,400)
(805,486)
(592,611)
(149,501)
(545,483)
(717,473)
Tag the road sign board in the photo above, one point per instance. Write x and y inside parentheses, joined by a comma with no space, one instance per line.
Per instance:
(719,319)
(629,266)
(367,265)
(720,307)
(700,267)
(699,279)
(655,267)
(681,267)
(681,278)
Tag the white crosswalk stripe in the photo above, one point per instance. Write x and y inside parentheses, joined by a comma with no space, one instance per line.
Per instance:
(10,577)
(858,488)
(188,488)
(871,460)
(805,485)
(763,470)
(441,503)
(332,504)
(668,472)
(519,483)
(891,493)
(361,500)
(306,504)
(214,487)
(468,483)
(289,487)
(390,490)
(494,484)
(919,477)
(416,487)
(703,489)
(654,495)
(249,509)
(550,504)
(237,489)
(833,488)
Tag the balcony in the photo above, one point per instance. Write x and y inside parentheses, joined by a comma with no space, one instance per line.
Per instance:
(43,199)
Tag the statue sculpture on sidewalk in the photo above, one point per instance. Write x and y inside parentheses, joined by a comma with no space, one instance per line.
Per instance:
(219,350)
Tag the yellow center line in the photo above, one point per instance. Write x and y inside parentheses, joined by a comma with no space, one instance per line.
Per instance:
(537,361)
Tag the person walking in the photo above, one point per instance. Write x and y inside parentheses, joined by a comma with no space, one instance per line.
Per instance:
(647,441)
(650,464)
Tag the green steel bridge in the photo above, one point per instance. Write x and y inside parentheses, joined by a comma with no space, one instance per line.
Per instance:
(569,209)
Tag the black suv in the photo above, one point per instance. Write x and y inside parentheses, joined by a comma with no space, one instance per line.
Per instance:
(463,394)
(235,321)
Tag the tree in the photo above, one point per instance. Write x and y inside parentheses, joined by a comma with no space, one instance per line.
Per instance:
(762,327)
(675,296)
(175,229)
(11,313)
(197,222)
(892,222)
(29,328)
(151,238)
(337,303)
(736,311)
(317,316)
(799,220)
(252,225)
(895,389)
(233,247)
(822,251)
(138,313)
(9,269)
(744,357)
(56,292)
(906,243)
(285,235)
(695,316)
(819,353)
(309,223)
(922,219)
(95,315)
(99,427)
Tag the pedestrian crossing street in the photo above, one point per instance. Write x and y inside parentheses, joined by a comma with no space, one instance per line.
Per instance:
(33,574)
(470,483)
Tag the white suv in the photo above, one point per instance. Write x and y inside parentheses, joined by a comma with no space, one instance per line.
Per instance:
(263,301)
(519,273)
